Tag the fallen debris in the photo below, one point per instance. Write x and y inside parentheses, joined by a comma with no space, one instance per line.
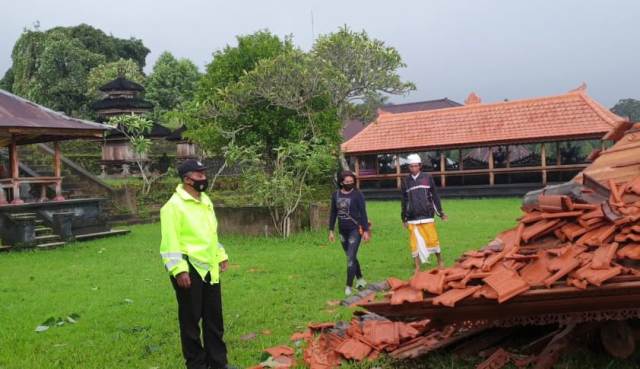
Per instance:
(571,266)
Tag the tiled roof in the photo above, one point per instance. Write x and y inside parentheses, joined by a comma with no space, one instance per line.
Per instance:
(572,115)
(353,126)
(420,106)
(16,111)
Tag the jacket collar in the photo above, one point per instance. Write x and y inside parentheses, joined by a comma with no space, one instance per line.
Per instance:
(184,195)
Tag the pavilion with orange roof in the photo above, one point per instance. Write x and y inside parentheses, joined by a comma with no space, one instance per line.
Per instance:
(530,141)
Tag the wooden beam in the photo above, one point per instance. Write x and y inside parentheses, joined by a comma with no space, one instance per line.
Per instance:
(15,171)
(57,170)
(357,171)
(543,158)
(443,164)
(398,172)
(491,175)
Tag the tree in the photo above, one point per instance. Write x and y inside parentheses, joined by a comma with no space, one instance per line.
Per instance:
(104,73)
(219,106)
(282,184)
(172,83)
(59,81)
(365,70)
(51,67)
(290,106)
(628,108)
(134,128)
(6,83)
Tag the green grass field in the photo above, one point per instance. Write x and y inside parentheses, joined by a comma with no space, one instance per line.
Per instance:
(274,287)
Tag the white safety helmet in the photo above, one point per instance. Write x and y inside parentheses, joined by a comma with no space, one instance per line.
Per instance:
(414,159)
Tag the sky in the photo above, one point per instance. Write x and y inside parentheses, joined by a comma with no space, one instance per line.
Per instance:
(500,49)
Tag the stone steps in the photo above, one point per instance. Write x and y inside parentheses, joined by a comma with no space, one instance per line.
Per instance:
(91,236)
(50,245)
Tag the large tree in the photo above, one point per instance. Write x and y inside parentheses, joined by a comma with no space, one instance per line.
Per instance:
(221,110)
(172,82)
(365,71)
(628,108)
(283,111)
(51,67)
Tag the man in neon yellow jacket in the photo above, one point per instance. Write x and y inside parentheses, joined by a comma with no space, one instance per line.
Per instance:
(194,258)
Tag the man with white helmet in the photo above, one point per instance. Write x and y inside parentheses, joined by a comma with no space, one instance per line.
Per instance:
(420,204)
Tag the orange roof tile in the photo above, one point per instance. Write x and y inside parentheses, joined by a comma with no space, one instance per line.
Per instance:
(573,114)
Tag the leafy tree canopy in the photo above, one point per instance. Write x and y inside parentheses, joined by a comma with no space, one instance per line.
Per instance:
(51,67)
(628,108)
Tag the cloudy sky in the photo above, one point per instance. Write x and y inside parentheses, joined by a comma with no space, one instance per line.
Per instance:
(497,48)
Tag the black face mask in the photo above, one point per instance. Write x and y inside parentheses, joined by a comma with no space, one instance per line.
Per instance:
(200,185)
(347,186)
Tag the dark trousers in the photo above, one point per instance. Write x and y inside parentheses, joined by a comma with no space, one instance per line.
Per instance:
(202,301)
(351,243)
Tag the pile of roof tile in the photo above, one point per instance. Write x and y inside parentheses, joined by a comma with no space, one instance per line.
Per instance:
(364,338)
(559,240)
(576,236)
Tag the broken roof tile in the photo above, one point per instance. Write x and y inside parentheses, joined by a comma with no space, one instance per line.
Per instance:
(320,326)
(563,214)
(406,294)
(572,230)
(451,297)
(538,229)
(507,283)
(554,203)
(486,292)
(603,256)
(381,333)
(353,349)
(280,351)
(630,251)
(431,281)
(299,336)
(396,283)
(597,277)
(472,262)
(536,272)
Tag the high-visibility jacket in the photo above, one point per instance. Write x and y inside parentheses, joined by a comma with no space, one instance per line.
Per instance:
(189,232)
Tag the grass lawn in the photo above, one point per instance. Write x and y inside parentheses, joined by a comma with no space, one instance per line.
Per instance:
(274,287)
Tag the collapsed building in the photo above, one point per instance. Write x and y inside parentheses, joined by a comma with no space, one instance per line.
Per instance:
(569,269)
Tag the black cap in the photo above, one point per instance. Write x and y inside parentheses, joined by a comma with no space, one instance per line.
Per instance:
(190,165)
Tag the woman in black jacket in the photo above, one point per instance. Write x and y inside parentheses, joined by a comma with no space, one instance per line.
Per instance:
(349,208)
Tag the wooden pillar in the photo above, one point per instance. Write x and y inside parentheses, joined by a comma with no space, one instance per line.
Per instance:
(357,168)
(57,170)
(3,197)
(491,175)
(543,158)
(443,165)
(15,171)
(398,172)
(558,156)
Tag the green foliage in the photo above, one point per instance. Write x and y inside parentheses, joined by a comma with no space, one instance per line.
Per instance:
(104,73)
(282,109)
(134,127)
(172,83)
(51,67)
(6,83)
(231,63)
(282,184)
(364,70)
(628,108)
